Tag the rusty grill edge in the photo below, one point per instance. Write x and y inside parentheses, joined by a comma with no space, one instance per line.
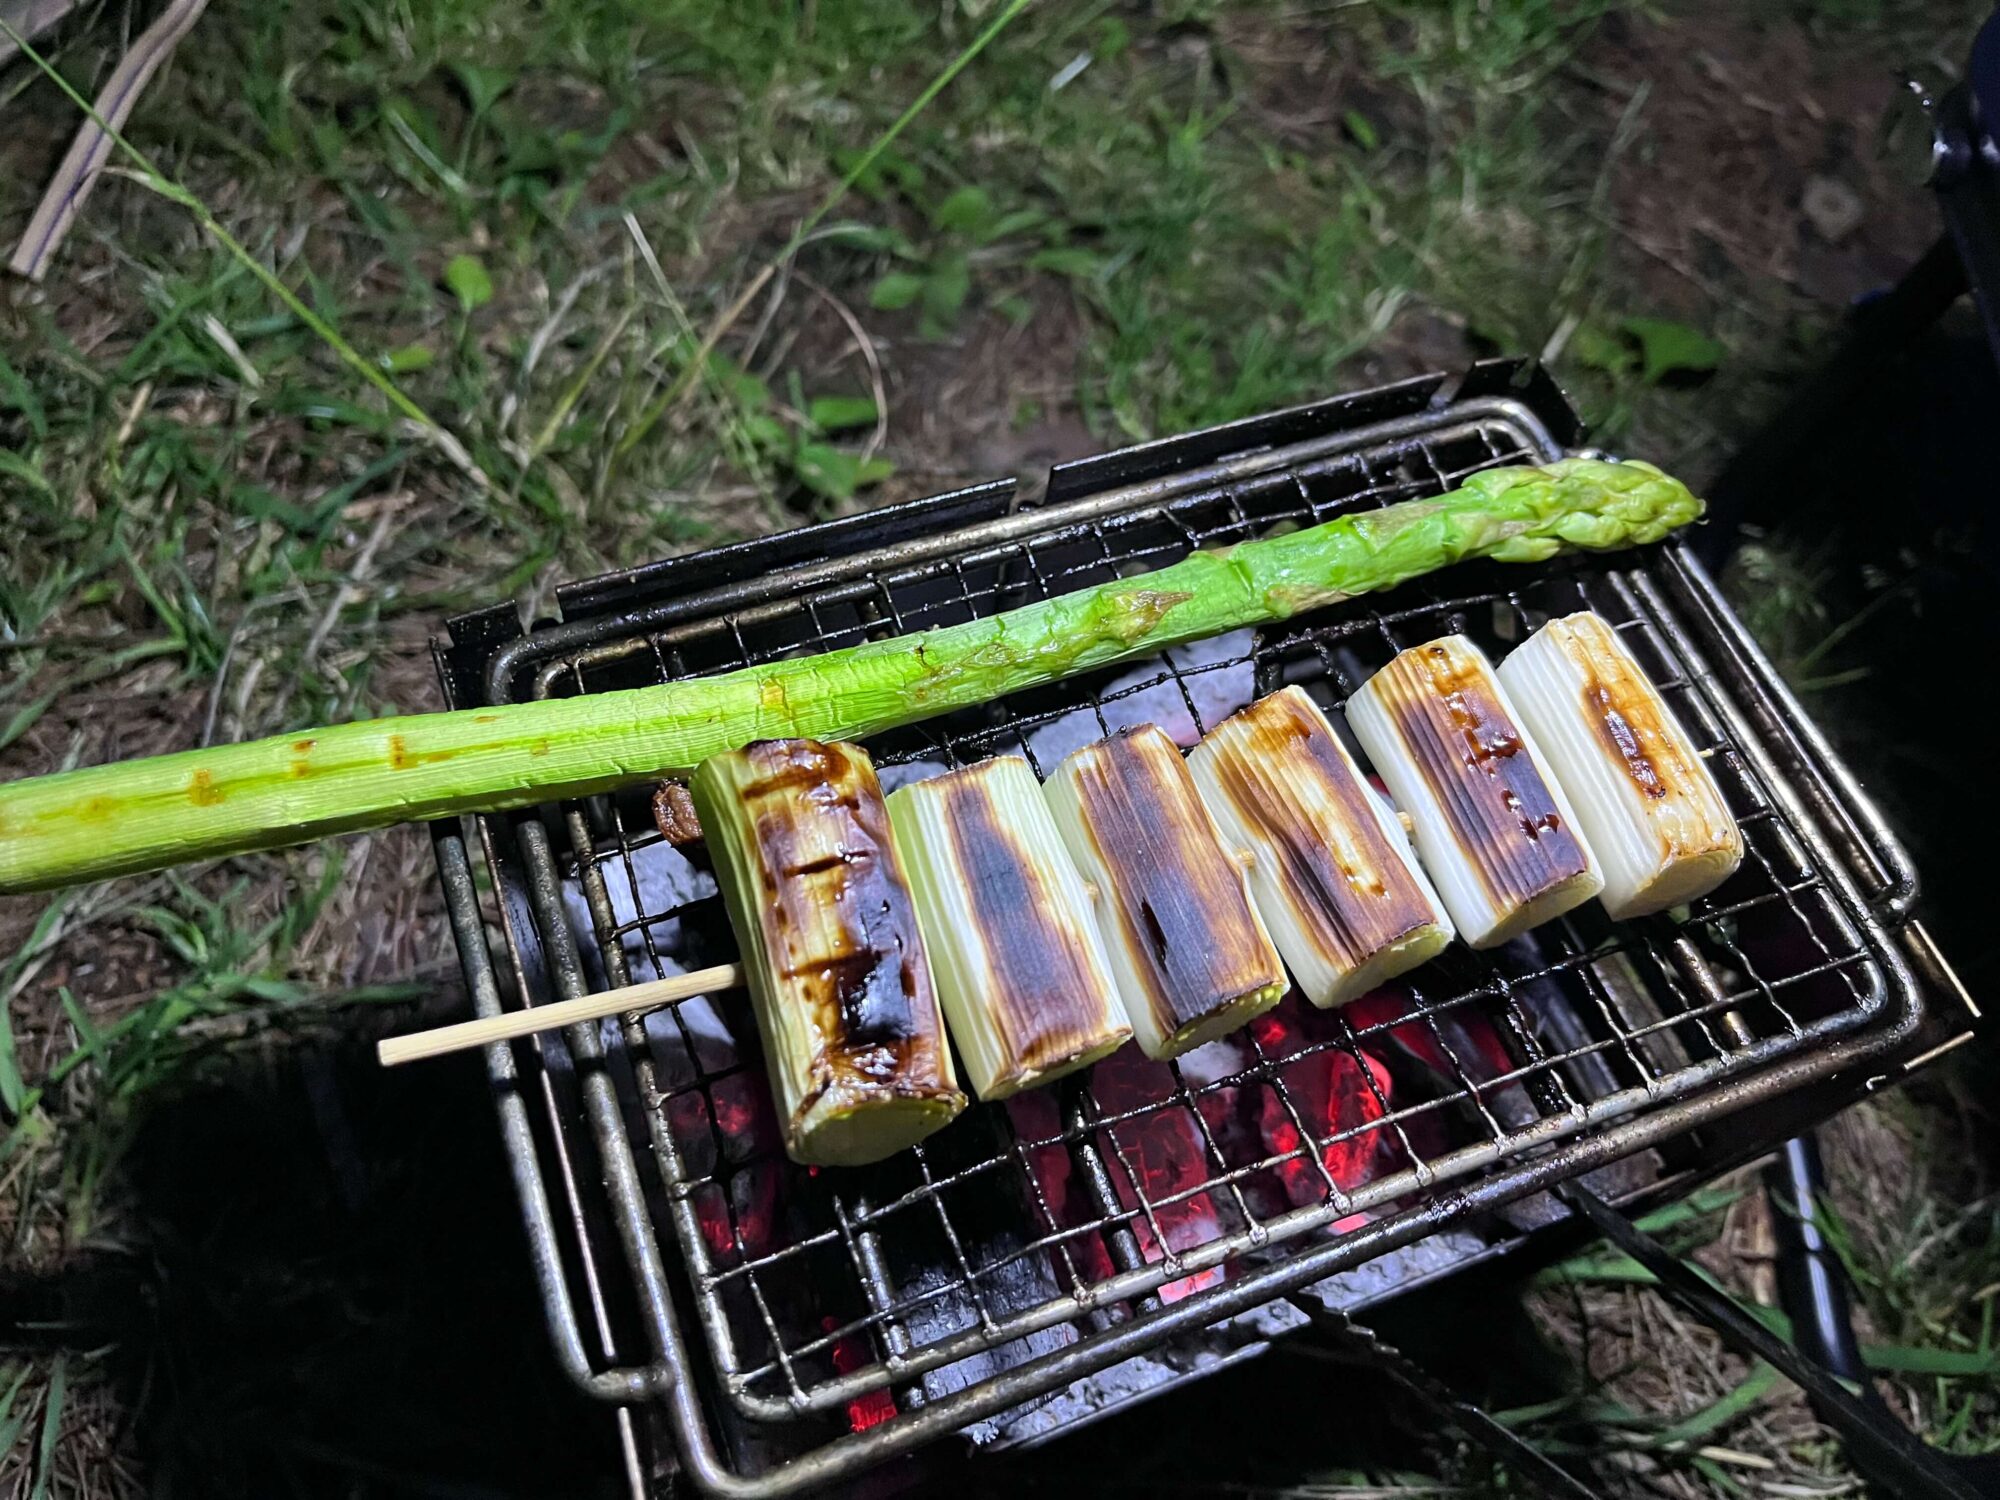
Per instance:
(1715,1030)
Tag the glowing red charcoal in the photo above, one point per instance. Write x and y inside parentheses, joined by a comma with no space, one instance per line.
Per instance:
(1456,1045)
(1164,1150)
(1336,1097)
(851,1353)
(736,1209)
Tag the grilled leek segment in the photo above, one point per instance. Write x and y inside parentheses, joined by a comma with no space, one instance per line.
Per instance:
(838,979)
(1189,952)
(1655,818)
(1493,827)
(1331,869)
(1020,967)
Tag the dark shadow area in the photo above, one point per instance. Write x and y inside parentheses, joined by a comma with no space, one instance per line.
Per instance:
(329,1294)
(1889,507)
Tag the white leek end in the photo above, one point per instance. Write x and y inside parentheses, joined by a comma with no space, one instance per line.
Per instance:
(1657,822)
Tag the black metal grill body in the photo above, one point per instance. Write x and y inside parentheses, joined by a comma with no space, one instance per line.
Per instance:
(803,1325)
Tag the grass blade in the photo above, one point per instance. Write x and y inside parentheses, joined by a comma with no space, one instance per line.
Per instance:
(52,1411)
(1908,1359)
(1720,1413)
(10,1425)
(12,1088)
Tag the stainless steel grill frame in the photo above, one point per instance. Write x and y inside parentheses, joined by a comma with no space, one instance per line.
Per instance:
(1789,974)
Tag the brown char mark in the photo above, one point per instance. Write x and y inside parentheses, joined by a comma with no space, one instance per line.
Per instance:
(1629,718)
(864,977)
(1178,897)
(1628,726)
(1356,912)
(1047,1012)
(1445,707)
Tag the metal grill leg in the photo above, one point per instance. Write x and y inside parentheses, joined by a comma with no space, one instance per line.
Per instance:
(1542,1473)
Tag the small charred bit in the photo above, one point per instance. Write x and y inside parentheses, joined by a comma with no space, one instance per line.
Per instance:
(853,1039)
(1020,966)
(1656,820)
(674,814)
(1494,828)
(1331,869)
(1190,955)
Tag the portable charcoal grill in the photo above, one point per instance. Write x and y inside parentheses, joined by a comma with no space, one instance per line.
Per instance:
(1076,1248)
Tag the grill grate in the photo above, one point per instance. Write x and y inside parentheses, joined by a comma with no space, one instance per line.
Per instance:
(1064,1214)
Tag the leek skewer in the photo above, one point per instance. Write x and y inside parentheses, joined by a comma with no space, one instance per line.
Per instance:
(1019,963)
(1492,824)
(853,1041)
(229,799)
(1190,954)
(1331,870)
(1655,818)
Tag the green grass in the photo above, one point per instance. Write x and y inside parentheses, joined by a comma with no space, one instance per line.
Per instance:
(530,220)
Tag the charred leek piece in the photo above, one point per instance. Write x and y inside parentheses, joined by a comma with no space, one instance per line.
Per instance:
(1493,827)
(1190,954)
(200,804)
(1331,869)
(1655,818)
(1020,967)
(852,1037)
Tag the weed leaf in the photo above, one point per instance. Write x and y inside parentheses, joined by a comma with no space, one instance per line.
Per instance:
(483,86)
(839,413)
(1067,260)
(1905,1359)
(945,290)
(1668,348)
(834,472)
(896,291)
(1720,1413)
(23,718)
(409,358)
(12,1089)
(10,1425)
(888,171)
(22,397)
(967,211)
(466,276)
(25,471)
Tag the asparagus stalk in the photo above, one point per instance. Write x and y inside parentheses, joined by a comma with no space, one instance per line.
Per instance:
(200,804)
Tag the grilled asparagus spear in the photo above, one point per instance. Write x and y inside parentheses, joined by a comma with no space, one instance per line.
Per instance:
(1020,967)
(853,1041)
(1653,814)
(200,804)
(1191,956)
(1493,826)
(1331,869)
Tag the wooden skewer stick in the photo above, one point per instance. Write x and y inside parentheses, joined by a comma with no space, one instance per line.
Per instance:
(516,1023)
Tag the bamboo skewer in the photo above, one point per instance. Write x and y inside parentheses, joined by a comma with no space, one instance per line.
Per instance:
(518,1023)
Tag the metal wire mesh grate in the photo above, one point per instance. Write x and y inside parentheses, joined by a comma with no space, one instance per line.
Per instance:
(1066,1211)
